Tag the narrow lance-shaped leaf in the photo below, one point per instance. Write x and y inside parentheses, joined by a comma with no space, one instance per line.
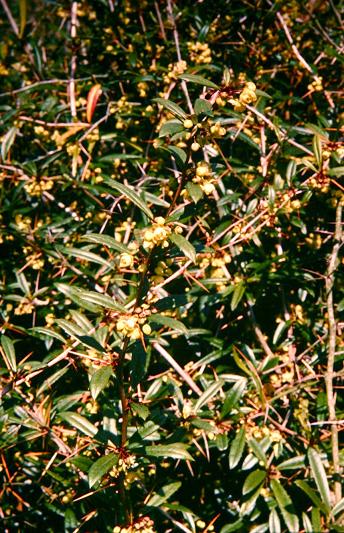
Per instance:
(199,80)
(92,99)
(253,480)
(101,467)
(131,195)
(317,149)
(163,494)
(9,354)
(233,397)
(184,245)
(105,240)
(79,422)
(99,380)
(286,506)
(274,522)
(176,450)
(84,255)
(101,299)
(175,109)
(7,141)
(311,493)
(237,448)
(207,395)
(169,322)
(319,474)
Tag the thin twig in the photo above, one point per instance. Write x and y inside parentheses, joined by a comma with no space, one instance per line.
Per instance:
(332,333)
(71,86)
(183,374)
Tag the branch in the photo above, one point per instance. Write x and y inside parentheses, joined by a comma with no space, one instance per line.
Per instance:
(332,333)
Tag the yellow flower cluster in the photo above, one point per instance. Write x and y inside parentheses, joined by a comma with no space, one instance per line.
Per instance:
(124,464)
(200,53)
(204,178)
(40,130)
(134,324)
(217,130)
(157,234)
(126,261)
(35,187)
(33,259)
(174,70)
(144,524)
(3,70)
(125,228)
(247,96)
(142,87)
(265,431)
(162,271)
(25,307)
(316,85)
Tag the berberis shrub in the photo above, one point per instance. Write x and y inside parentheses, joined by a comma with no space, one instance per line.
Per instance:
(171,232)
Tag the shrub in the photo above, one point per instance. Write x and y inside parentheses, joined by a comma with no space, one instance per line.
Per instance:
(171,293)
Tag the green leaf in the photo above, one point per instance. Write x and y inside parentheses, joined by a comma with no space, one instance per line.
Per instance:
(131,195)
(184,245)
(9,354)
(233,397)
(274,522)
(101,299)
(307,524)
(157,499)
(237,295)
(70,520)
(286,506)
(337,171)
(105,240)
(84,255)
(173,108)
(257,450)
(169,322)
(253,480)
(338,508)
(101,467)
(238,524)
(99,380)
(7,142)
(317,149)
(194,191)
(177,450)
(303,485)
(48,382)
(221,442)
(203,107)
(79,422)
(170,127)
(140,410)
(46,332)
(75,331)
(316,520)
(320,477)
(294,463)
(208,394)
(237,448)
(179,154)
(199,80)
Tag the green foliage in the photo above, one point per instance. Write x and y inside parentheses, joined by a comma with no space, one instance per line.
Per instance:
(170,238)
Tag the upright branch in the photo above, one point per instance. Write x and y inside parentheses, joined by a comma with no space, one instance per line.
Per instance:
(332,333)
(71,85)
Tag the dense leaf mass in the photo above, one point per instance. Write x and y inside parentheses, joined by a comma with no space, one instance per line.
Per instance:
(170,247)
